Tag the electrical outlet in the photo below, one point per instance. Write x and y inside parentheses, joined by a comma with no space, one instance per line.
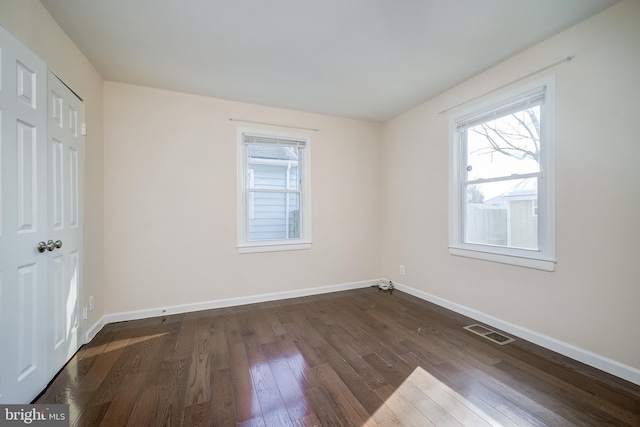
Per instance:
(84,313)
(402,270)
(91,306)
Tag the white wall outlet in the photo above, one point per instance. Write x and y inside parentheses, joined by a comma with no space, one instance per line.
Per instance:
(402,270)
(91,306)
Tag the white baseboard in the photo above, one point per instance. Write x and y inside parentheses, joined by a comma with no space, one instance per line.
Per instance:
(605,364)
(94,329)
(229,302)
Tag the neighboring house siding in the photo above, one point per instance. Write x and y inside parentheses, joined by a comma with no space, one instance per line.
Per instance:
(269,220)
(273,177)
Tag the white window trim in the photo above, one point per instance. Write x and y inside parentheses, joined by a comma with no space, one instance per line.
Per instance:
(545,257)
(305,241)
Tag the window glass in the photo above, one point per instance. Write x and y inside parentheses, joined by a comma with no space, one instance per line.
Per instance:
(498,204)
(495,216)
(504,146)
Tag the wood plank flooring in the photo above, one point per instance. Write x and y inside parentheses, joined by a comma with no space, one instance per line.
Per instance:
(353,358)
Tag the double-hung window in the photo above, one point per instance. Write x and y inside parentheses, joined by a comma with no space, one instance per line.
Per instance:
(274,199)
(502,179)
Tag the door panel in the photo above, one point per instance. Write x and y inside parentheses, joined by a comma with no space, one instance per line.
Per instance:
(57,274)
(27,197)
(27,320)
(57,201)
(26,84)
(74,186)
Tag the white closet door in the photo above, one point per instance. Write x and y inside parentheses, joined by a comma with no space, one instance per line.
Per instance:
(65,160)
(23,222)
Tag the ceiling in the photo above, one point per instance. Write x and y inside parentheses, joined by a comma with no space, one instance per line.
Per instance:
(362,59)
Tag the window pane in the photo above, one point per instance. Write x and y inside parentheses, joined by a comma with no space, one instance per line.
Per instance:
(276,216)
(274,167)
(502,213)
(504,146)
(293,211)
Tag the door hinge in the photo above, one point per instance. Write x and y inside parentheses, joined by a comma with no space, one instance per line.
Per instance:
(84,313)
(83,129)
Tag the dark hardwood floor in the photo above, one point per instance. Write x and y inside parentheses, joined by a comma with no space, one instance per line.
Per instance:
(354,358)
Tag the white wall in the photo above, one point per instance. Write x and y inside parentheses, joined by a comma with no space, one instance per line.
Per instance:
(29,22)
(591,300)
(170,202)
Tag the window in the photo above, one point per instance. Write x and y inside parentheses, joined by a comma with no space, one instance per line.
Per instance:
(502,171)
(274,201)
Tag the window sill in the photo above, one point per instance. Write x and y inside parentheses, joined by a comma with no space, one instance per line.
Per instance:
(535,263)
(272,247)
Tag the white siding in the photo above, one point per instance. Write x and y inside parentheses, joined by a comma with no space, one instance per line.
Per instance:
(269,220)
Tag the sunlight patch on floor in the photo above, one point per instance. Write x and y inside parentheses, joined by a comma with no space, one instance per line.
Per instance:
(423,400)
(116,345)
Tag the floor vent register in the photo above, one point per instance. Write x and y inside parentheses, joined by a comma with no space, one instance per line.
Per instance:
(489,334)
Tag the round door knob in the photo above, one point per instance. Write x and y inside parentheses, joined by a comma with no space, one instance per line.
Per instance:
(51,245)
(58,244)
(42,246)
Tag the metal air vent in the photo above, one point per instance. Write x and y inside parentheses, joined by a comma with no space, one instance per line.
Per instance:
(489,334)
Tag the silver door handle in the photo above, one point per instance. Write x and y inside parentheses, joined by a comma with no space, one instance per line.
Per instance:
(50,245)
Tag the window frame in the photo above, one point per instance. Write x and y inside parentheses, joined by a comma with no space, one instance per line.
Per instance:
(245,205)
(545,257)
